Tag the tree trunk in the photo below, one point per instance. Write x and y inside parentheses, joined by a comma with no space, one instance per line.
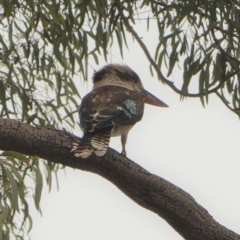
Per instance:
(171,203)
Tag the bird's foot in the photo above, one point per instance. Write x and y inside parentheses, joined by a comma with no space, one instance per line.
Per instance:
(124,153)
(73,147)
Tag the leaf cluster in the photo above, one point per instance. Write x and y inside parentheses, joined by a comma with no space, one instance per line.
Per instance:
(202,39)
(21,177)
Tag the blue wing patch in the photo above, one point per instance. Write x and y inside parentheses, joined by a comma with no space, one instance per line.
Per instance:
(131,106)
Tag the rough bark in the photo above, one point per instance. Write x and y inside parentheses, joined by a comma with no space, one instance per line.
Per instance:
(170,202)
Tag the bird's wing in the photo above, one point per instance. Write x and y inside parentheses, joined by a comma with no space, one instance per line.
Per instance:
(110,106)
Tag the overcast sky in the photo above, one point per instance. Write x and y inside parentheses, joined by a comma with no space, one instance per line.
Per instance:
(195,148)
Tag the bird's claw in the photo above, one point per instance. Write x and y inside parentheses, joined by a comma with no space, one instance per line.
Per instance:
(124,153)
(73,147)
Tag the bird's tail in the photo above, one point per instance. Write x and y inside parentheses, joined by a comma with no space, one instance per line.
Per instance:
(94,142)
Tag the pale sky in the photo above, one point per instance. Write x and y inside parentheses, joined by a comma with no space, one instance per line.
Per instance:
(195,148)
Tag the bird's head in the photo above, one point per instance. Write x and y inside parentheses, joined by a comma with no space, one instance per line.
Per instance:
(124,76)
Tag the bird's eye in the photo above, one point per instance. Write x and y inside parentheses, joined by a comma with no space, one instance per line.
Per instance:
(135,77)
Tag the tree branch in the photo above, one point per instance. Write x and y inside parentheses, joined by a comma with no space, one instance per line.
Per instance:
(171,203)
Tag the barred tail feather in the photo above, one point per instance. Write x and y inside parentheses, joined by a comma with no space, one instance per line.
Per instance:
(94,142)
(85,149)
(100,142)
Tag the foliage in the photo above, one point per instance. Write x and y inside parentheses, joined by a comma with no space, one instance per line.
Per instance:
(18,174)
(46,48)
(204,36)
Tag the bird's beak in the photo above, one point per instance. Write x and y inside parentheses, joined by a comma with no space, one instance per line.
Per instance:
(152,100)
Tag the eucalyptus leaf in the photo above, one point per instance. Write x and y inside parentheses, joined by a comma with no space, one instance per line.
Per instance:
(38,188)
(14,189)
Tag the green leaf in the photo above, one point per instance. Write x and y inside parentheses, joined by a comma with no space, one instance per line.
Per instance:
(10,35)
(151,70)
(3,96)
(38,188)
(186,81)
(218,69)
(11,166)
(14,189)
(61,59)
(187,74)
(3,216)
(148,22)
(236,97)
(119,39)
(48,176)
(95,57)
(161,55)
(3,213)
(157,50)
(72,86)
(123,34)
(59,82)
(184,45)
(172,61)
(201,86)
(206,83)
(99,33)
(55,15)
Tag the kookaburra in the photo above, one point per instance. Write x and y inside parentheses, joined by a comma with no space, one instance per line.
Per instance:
(114,105)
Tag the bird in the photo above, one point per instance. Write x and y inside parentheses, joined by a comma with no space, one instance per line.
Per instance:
(112,108)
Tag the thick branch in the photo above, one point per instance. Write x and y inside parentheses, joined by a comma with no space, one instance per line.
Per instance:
(171,203)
